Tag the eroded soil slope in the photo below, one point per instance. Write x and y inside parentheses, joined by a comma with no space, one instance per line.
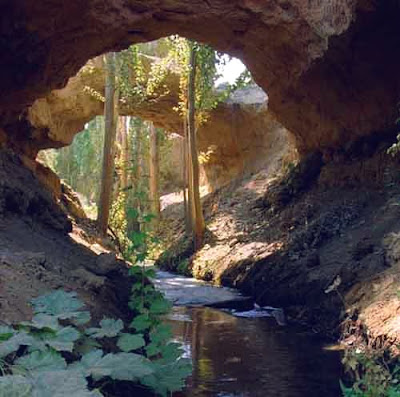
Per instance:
(321,240)
(42,249)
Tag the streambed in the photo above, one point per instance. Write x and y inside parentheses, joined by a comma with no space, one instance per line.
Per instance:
(236,355)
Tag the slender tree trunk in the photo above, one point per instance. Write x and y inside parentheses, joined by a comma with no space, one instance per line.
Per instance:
(109,143)
(185,179)
(124,151)
(154,171)
(198,219)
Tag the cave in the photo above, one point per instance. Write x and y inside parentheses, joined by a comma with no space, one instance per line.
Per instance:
(330,70)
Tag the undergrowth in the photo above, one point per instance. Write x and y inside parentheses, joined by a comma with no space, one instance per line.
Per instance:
(58,354)
(374,374)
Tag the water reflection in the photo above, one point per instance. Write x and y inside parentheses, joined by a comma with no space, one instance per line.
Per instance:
(252,357)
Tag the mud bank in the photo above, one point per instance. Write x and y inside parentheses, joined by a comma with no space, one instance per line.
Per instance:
(321,240)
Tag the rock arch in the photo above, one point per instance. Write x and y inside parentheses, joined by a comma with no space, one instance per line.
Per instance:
(330,67)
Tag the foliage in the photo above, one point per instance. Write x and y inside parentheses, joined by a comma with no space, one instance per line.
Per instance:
(374,376)
(45,357)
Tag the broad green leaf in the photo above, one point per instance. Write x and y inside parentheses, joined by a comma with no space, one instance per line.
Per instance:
(61,383)
(129,342)
(136,271)
(120,366)
(150,272)
(86,345)
(39,361)
(160,306)
(108,328)
(153,349)
(58,303)
(132,213)
(161,334)
(168,378)
(141,322)
(41,321)
(14,343)
(6,333)
(171,352)
(141,257)
(64,339)
(148,217)
(15,386)
(87,362)
(80,318)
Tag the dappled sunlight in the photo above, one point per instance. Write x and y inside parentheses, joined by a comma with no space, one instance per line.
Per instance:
(177,197)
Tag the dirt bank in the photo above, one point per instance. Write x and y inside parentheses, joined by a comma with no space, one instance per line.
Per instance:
(42,249)
(321,240)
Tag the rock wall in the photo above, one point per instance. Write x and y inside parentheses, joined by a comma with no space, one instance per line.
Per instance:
(330,67)
(240,136)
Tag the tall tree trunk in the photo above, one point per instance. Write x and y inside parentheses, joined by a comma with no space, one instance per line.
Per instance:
(194,185)
(154,171)
(185,179)
(109,143)
(136,176)
(124,126)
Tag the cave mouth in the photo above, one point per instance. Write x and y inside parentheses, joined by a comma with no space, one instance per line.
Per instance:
(331,70)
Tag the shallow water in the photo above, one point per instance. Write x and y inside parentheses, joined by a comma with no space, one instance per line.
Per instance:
(248,356)
(252,357)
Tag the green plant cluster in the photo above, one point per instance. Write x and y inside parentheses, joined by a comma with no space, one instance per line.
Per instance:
(57,354)
(374,376)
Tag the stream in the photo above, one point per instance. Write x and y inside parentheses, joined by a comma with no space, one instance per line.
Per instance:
(245,354)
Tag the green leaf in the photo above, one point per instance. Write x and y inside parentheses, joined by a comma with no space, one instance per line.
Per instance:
(64,339)
(150,272)
(6,333)
(132,213)
(14,343)
(39,361)
(15,386)
(148,217)
(171,352)
(129,342)
(58,303)
(141,323)
(153,349)
(61,383)
(141,257)
(160,306)
(86,345)
(42,321)
(161,334)
(108,328)
(168,378)
(120,366)
(135,271)
(81,318)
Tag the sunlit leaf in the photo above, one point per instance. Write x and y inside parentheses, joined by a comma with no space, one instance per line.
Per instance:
(58,303)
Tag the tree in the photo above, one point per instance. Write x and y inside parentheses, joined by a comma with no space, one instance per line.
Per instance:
(124,128)
(154,168)
(198,224)
(110,115)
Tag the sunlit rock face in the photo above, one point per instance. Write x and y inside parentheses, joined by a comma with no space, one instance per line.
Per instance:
(240,135)
(329,67)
